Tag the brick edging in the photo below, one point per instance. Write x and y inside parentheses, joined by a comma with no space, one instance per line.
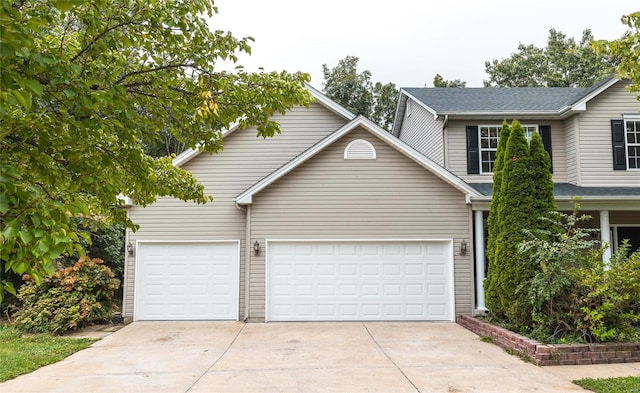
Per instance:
(553,354)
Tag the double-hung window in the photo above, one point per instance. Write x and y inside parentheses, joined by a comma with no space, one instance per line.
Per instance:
(625,135)
(489,136)
(632,136)
(488,143)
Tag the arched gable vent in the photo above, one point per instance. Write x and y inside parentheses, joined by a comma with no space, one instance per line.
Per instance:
(359,149)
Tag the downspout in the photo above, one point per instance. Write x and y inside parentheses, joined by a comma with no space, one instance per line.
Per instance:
(445,123)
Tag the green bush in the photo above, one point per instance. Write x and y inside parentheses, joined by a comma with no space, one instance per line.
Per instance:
(74,296)
(575,296)
(611,300)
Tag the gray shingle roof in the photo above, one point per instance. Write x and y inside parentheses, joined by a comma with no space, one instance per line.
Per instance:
(496,99)
(570,190)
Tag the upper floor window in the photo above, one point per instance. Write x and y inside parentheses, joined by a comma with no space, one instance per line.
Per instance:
(632,128)
(489,136)
(625,135)
(482,145)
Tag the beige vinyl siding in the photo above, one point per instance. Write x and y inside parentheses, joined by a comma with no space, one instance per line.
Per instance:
(571,140)
(423,132)
(457,148)
(596,156)
(391,197)
(243,162)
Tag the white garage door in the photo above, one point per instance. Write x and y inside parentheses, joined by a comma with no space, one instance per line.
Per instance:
(187,281)
(331,281)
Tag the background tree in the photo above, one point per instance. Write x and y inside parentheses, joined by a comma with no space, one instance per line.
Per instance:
(83,85)
(509,268)
(626,50)
(492,221)
(354,90)
(439,81)
(348,87)
(562,63)
(164,144)
(385,98)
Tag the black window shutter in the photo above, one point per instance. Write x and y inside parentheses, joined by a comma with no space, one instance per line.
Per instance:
(545,133)
(473,152)
(619,152)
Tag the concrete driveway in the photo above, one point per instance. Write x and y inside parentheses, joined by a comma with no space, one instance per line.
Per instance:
(293,357)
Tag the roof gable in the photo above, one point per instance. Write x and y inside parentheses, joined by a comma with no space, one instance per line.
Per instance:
(320,98)
(246,197)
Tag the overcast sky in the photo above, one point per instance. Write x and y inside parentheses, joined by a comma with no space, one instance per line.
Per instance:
(408,41)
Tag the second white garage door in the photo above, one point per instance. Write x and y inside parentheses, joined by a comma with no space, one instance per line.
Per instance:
(187,281)
(359,280)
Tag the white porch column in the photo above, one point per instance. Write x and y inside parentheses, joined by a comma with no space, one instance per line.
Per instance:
(605,235)
(480,262)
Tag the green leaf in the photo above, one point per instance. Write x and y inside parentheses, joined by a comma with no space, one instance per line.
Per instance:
(34,86)
(66,5)
(4,203)
(25,236)
(21,267)
(23,98)
(5,50)
(10,229)
(56,250)
(8,287)
(43,247)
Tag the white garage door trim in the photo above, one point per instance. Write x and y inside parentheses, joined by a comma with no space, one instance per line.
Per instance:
(450,282)
(233,292)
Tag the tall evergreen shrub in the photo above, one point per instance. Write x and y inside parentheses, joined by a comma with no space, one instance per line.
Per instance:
(543,201)
(511,268)
(492,221)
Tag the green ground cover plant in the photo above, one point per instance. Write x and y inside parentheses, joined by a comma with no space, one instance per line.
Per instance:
(611,385)
(21,354)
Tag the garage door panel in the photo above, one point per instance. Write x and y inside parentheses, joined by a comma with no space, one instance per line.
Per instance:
(187,281)
(358,281)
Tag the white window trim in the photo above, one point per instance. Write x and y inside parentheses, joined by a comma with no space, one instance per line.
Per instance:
(615,239)
(481,150)
(634,118)
(499,126)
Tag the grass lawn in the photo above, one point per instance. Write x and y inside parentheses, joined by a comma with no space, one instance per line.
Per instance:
(611,385)
(22,354)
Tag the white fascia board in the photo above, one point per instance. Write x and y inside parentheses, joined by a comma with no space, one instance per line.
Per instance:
(583,198)
(247,196)
(582,104)
(505,113)
(422,104)
(329,103)
(127,201)
(188,154)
